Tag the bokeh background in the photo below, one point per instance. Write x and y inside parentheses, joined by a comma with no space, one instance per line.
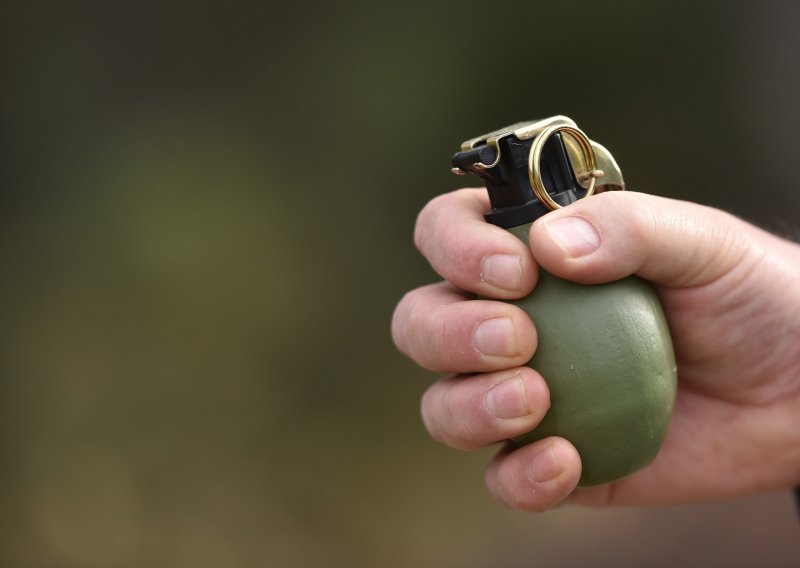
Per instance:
(205,225)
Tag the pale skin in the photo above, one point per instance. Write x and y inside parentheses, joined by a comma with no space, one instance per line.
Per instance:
(731,293)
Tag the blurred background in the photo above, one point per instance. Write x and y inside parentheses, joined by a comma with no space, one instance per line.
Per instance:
(206,223)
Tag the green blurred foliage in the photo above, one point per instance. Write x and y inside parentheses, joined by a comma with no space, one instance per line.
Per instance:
(205,225)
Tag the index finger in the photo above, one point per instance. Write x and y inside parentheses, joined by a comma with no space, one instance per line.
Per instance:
(470,253)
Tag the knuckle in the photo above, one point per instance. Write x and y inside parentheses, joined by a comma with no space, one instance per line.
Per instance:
(433,327)
(429,412)
(431,345)
(425,220)
(449,416)
(400,322)
(465,420)
(463,260)
(643,220)
(414,327)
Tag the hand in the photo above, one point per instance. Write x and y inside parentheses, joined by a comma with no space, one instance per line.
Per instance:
(731,293)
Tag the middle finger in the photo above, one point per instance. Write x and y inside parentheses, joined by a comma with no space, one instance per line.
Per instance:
(440,331)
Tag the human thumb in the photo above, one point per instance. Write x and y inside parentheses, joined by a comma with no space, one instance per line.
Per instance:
(668,242)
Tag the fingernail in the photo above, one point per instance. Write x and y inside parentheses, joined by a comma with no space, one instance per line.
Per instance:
(576,237)
(496,337)
(507,400)
(503,271)
(544,466)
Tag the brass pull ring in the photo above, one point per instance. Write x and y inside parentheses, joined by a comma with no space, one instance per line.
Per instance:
(536,154)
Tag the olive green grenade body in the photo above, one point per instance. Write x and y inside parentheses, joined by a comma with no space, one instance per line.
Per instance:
(606,355)
(604,350)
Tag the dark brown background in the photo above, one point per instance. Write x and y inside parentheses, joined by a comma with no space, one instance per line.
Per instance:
(205,225)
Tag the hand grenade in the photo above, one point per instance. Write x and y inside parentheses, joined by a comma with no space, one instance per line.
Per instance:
(604,350)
